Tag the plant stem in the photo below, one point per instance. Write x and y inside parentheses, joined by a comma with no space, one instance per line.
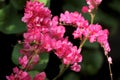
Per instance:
(92,17)
(62,70)
(82,43)
(110,69)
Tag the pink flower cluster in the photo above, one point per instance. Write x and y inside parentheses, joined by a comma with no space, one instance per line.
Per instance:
(40,76)
(101,36)
(22,75)
(36,15)
(92,4)
(18,75)
(93,32)
(68,53)
(74,18)
(45,34)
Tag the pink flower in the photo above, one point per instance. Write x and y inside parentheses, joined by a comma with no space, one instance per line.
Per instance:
(55,30)
(35,59)
(46,43)
(32,35)
(101,36)
(67,52)
(36,14)
(15,70)
(76,67)
(74,18)
(93,3)
(110,60)
(18,75)
(40,76)
(61,47)
(103,40)
(84,9)
(73,56)
(23,61)
(78,33)
(94,32)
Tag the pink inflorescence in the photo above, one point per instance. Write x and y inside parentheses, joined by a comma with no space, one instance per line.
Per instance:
(44,34)
(92,4)
(19,75)
(22,75)
(36,15)
(40,76)
(93,32)
(101,36)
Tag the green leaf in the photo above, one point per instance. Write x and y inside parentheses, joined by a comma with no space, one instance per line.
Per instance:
(44,58)
(33,73)
(16,53)
(71,76)
(46,2)
(11,24)
(92,61)
(3,14)
(18,4)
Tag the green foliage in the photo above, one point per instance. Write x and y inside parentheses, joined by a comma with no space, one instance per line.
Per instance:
(44,58)
(92,61)
(3,14)
(71,76)
(16,53)
(46,2)
(10,21)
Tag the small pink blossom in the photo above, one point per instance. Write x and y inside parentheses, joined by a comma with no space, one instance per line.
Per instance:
(32,35)
(76,67)
(103,40)
(55,30)
(40,76)
(35,59)
(84,9)
(15,70)
(93,3)
(110,60)
(46,43)
(23,61)
(94,32)
(78,33)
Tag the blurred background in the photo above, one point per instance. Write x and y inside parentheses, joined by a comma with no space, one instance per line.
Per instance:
(94,65)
